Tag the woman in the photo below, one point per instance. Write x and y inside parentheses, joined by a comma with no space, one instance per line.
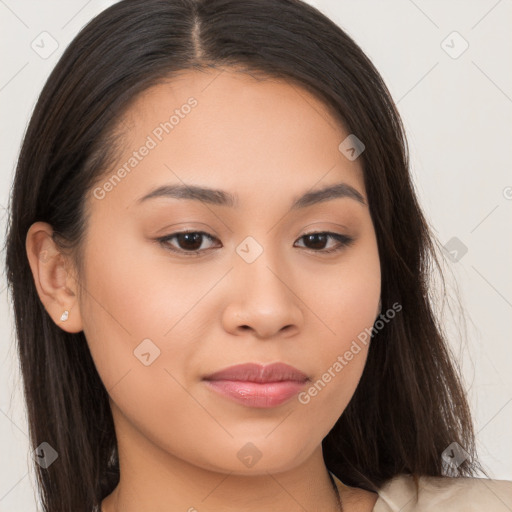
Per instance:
(219,273)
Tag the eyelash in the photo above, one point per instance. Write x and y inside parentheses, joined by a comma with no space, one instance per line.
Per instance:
(344,241)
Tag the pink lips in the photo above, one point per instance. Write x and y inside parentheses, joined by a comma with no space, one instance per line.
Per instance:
(255,385)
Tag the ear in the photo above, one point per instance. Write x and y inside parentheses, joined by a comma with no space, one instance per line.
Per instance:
(54,278)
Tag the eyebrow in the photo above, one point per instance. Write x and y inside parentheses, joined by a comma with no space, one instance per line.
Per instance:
(223,198)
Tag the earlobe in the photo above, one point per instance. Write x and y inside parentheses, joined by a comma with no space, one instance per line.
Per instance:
(54,284)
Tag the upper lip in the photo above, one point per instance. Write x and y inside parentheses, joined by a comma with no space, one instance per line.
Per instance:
(255,372)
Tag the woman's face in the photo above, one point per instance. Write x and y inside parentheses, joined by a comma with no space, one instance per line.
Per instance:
(159,318)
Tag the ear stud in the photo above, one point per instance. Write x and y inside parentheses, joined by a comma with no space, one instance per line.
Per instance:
(64,316)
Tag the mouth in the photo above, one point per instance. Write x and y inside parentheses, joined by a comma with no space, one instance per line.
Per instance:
(255,385)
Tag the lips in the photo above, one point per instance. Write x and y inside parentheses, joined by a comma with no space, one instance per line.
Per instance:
(254,372)
(255,385)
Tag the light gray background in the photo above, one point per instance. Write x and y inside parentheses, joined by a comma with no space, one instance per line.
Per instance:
(457,113)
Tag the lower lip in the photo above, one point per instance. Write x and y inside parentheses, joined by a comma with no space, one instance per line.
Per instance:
(255,394)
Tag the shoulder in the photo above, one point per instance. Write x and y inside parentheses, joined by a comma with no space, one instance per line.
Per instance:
(444,494)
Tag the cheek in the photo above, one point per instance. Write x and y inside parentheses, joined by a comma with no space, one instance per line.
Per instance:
(346,301)
(139,308)
(329,393)
(120,306)
(341,358)
(345,296)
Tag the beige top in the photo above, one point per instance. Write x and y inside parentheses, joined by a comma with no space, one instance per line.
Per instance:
(443,494)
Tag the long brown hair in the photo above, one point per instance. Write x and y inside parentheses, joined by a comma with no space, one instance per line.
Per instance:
(409,405)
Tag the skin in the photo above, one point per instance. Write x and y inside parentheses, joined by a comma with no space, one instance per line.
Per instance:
(268,142)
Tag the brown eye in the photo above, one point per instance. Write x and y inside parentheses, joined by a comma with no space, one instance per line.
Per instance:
(317,241)
(187,241)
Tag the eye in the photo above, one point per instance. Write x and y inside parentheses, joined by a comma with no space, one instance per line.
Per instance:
(191,242)
(318,240)
(188,241)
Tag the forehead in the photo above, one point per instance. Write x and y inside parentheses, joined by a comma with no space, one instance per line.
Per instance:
(230,130)
(237,87)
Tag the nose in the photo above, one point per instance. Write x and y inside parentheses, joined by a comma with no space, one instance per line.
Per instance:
(263,299)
